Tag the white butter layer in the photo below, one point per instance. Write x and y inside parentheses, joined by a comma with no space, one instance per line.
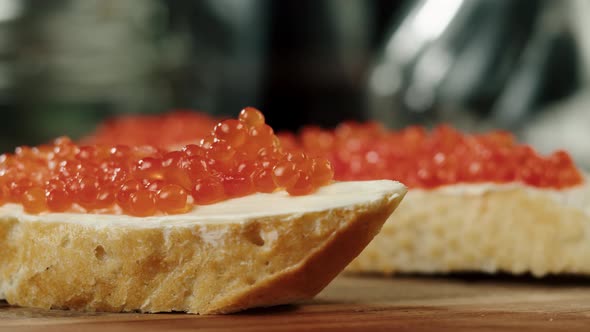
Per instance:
(575,197)
(336,195)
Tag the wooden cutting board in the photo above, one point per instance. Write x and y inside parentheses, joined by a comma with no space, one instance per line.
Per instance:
(464,303)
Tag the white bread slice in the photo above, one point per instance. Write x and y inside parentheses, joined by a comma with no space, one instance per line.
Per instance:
(258,250)
(485,228)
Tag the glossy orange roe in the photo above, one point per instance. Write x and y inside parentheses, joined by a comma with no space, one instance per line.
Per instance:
(236,158)
(164,130)
(423,159)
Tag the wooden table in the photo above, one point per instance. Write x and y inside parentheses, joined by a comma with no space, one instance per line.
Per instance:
(460,303)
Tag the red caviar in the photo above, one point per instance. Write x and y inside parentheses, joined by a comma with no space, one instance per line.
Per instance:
(237,158)
(182,126)
(34,200)
(172,199)
(422,159)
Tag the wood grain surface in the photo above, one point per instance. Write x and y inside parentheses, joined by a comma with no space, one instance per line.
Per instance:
(460,303)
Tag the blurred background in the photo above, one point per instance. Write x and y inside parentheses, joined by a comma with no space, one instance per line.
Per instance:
(67,65)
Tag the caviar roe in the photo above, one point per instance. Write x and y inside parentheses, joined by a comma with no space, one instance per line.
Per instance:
(181,127)
(423,159)
(234,159)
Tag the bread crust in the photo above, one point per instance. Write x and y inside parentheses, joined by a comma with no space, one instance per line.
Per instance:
(518,230)
(201,268)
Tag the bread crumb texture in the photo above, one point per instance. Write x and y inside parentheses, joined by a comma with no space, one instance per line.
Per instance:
(514,231)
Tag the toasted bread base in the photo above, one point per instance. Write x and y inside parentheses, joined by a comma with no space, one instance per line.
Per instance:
(198,268)
(516,230)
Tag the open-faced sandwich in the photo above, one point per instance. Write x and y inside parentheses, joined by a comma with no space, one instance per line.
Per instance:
(231,223)
(477,203)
